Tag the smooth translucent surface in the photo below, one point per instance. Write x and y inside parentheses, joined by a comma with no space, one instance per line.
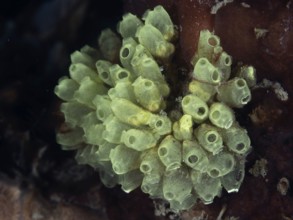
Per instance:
(129,117)
(221,115)
(235,93)
(169,152)
(194,106)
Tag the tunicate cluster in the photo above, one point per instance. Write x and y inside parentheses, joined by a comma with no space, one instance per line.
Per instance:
(115,103)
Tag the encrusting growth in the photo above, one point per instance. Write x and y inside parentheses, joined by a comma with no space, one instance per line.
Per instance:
(116,119)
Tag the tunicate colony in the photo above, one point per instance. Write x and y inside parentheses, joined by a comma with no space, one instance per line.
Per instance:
(116,120)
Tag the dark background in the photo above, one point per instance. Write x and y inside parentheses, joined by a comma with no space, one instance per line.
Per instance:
(36,176)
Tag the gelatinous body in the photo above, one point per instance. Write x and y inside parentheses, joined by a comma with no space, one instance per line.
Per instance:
(119,114)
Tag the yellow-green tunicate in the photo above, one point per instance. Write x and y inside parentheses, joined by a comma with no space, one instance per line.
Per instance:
(204,71)
(206,44)
(182,130)
(103,68)
(151,163)
(169,152)
(130,180)
(232,181)
(119,74)
(221,164)
(70,140)
(83,155)
(122,90)
(79,71)
(87,155)
(153,40)
(186,204)
(109,44)
(94,53)
(124,159)
(113,129)
(127,52)
(206,187)
(128,26)
(224,63)
(103,153)
(66,88)
(140,53)
(147,94)
(236,139)
(102,104)
(149,69)
(87,91)
(93,134)
(159,18)
(217,52)
(89,119)
(202,90)
(138,139)
(122,121)
(234,93)
(221,115)
(176,131)
(152,184)
(73,112)
(194,156)
(160,124)
(194,106)
(129,113)
(108,177)
(209,138)
(177,185)
(248,73)
(155,177)
(79,156)
(84,58)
